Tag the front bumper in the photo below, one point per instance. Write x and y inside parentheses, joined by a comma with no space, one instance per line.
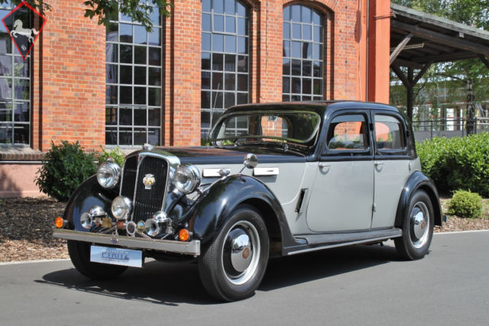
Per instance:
(191,248)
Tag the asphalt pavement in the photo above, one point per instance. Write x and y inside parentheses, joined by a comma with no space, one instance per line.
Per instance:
(361,285)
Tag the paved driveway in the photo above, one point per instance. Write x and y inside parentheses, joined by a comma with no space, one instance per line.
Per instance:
(362,285)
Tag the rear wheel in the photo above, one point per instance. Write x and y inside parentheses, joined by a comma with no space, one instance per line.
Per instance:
(233,266)
(80,257)
(417,230)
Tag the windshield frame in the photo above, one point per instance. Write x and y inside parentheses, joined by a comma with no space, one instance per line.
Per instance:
(216,139)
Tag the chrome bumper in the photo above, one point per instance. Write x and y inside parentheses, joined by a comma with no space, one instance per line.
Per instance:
(185,248)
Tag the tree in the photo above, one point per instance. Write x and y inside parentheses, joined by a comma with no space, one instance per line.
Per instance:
(455,76)
(106,10)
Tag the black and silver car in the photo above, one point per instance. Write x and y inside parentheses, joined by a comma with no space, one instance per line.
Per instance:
(275,180)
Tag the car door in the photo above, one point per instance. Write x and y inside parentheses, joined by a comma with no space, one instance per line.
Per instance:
(342,194)
(392,166)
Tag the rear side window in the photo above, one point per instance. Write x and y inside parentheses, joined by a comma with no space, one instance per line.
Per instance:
(348,133)
(389,133)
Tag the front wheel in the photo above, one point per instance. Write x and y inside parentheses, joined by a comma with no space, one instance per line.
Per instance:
(80,257)
(417,229)
(233,266)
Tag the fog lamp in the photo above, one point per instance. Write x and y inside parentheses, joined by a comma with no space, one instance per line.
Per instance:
(86,220)
(121,207)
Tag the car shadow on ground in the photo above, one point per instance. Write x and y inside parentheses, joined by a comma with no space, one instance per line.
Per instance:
(174,283)
(296,269)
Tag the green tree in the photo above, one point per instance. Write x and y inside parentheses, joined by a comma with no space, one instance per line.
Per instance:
(105,10)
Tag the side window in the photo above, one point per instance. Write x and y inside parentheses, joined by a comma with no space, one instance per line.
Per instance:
(348,133)
(389,133)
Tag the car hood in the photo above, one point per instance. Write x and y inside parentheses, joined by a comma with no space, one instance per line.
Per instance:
(231,155)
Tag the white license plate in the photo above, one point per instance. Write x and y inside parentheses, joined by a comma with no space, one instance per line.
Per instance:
(116,256)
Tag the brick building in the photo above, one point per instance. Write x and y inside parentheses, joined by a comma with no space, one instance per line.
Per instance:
(123,86)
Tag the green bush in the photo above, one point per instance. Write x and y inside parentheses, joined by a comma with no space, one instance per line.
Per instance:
(465,204)
(457,163)
(65,167)
(115,153)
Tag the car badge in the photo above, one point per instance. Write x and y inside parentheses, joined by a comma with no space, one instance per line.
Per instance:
(148,181)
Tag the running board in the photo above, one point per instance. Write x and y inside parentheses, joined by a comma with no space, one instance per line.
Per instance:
(333,240)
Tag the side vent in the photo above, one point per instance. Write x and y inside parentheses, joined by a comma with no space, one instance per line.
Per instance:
(298,208)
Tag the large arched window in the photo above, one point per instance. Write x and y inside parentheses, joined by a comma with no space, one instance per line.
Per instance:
(15,87)
(225,58)
(303,54)
(133,82)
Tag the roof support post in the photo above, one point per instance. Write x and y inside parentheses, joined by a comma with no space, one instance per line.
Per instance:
(409,82)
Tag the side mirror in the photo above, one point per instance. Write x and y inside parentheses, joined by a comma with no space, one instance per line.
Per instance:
(250,161)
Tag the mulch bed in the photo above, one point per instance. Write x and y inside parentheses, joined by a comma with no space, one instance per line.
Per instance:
(26,228)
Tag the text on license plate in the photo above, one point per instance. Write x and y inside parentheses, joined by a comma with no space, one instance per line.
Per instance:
(116,256)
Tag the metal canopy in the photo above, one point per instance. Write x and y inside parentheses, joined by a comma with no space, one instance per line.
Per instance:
(419,39)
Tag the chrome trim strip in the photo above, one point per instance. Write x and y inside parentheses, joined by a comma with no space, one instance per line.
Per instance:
(185,248)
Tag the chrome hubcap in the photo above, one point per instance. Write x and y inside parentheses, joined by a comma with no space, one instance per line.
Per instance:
(241,252)
(420,227)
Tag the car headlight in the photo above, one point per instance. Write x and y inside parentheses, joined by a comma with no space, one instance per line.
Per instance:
(108,174)
(121,207)
(186,178)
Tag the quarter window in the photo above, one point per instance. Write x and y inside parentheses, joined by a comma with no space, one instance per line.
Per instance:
(303,50)
(15,88)
(388,133)
(224,58)
(133,82)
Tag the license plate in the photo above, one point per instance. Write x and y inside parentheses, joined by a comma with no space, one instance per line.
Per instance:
(116,256)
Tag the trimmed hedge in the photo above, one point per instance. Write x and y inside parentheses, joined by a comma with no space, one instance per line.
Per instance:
(457,163)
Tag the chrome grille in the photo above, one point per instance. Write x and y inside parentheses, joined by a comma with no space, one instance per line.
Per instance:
(146,201)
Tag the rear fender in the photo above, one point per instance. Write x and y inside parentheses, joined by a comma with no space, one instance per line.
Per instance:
(418,181)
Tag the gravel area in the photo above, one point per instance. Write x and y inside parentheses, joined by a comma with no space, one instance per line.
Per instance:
(26,228)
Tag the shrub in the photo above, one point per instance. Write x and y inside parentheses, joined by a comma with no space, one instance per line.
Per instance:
(457,163)
(65,167)
(115,153)
(465,204)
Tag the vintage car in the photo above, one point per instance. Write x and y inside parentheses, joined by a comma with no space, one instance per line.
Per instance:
(275,180)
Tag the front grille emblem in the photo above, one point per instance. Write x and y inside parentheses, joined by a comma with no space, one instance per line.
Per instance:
(148,181)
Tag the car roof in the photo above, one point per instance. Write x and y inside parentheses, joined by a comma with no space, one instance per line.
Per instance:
(316,106)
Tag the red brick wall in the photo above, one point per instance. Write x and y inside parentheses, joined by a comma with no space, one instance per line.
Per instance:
(69,99)
(69,79)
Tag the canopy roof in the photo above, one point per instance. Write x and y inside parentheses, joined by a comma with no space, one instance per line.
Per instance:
(418,38)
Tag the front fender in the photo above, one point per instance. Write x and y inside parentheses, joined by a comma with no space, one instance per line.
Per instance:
(87,195)
(418,181)
(218,202)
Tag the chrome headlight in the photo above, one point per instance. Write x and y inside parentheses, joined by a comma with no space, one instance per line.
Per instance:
(108,174)
(121,207)
(186,178)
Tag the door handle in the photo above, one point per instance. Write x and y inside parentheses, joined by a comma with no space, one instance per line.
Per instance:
(324,167)
(379,166)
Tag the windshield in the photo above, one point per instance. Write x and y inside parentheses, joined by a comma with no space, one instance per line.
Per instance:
(299,127)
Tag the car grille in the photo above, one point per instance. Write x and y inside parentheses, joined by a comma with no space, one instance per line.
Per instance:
(146,201)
